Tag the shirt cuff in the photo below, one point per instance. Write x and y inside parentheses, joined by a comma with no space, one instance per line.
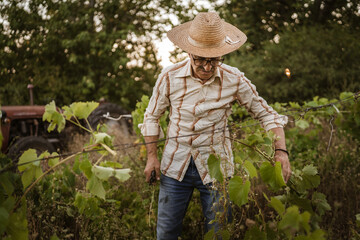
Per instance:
(150,129)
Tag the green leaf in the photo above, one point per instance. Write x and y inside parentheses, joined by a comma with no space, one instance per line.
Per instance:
(320,202)
(4,220)
(85,167)
(54,237)
(54,160)
(268,141)
(303,124)
(27,157)
(317,235)
(95,186)
(102,137)
(239,191)
(82,110)
(67,112)
(104,173)
(210,234)
(225,234)
(250,169)
(76,165)
(255,233)
(291,220)
(255,139)
(27,177)
(122,174)
(272,175)
(54,117)
(310,170)
(277,205)
(309,178)
(111,164)
(214,168)
(345,95)
(305,219)
(6,184)
(17,227)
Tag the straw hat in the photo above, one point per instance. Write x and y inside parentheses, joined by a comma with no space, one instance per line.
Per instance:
(207,36)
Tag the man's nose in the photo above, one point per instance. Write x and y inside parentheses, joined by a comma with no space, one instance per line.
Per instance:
(207,66)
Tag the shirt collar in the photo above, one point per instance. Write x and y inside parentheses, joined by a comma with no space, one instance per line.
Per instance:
(185,71)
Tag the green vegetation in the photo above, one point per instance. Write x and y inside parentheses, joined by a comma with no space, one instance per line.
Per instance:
(100,191)
(76,51)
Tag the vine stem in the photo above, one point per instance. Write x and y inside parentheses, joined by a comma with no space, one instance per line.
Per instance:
(79,125)
(39,178)
(255,149)
(257,204)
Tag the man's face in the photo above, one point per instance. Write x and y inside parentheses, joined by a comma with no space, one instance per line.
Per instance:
(204,68)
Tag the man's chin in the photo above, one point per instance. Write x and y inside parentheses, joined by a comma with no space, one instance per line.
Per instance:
(206,76)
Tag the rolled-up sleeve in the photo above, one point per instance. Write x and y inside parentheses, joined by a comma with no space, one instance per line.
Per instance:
(158,103)
(257,106)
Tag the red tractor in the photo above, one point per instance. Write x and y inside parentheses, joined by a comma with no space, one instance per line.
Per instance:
(22,127)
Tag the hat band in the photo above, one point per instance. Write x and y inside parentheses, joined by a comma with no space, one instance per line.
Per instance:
(204,45)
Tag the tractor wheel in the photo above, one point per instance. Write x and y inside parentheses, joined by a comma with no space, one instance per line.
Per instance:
(40,144)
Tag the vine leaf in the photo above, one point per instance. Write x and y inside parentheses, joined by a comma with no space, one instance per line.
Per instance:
(277,205)
(308,178)
(214,168)
(238,191)
(250,169)
(272,175)
(293,220)
(104,173)
(319,200)
(303,124)
(102,137)
(6,183)
(316,235)
(85,167)
(53,160)
(255,233)
(81,110)
(30,168)
(95,186)
(54,117)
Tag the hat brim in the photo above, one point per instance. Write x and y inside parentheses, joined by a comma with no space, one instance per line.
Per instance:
(179,36)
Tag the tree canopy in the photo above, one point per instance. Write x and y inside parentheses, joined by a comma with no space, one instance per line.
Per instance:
(78,50)
(316,39)
(91,49)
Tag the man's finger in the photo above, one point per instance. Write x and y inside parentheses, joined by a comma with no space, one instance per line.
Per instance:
(157,173)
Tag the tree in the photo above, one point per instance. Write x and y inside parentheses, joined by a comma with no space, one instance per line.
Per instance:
(316,40)
(78,50)
(322,62)
(263,20)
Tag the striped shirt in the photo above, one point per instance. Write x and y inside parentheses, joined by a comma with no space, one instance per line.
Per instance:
(197,112)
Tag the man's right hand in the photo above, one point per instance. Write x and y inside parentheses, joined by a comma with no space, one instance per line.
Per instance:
(152,164)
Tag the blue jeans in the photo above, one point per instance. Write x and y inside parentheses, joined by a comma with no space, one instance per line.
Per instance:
(174,198)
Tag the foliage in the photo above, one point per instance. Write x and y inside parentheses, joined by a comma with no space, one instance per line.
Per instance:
(263,20)
(315,40)
(78,50)
(83,200)
(96,177)
(322,61)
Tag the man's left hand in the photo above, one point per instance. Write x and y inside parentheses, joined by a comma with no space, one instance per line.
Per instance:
(283,158)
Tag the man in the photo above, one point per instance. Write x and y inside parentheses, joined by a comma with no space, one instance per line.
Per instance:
(199,92)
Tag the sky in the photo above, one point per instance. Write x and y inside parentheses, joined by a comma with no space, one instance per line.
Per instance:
(164,48)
